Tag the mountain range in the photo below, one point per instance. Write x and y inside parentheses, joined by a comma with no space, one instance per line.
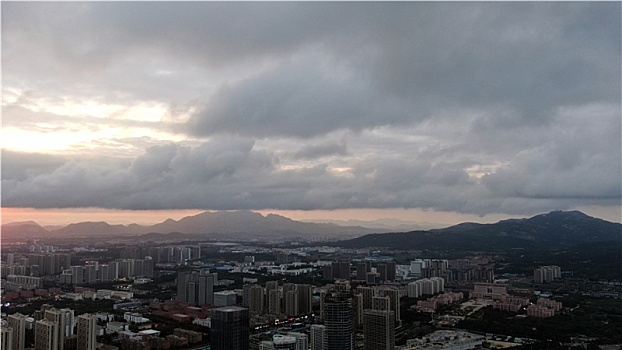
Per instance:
(557,228)
(554,229)
(240,224)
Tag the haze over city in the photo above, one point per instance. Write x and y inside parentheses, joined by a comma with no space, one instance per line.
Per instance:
(438,112)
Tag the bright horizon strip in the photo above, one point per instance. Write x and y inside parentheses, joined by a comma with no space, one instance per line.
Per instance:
(65,216)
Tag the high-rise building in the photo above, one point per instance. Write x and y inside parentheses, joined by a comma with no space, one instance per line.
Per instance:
(273,299)
(10,259)
(382,271)
(379,329)
(305,298)
(62,320)
(196,287)
(368,293)
(339,322)
(274,302)
(90,273)
(183,277)
(341,270)
(225,298)
(372,277)
(545,274)
(87,332)
(191,297)
(414,289)
(77,274)
(317,336)
(358,310)
(287,287)
(246,294)
(271,285)
(126,268)
(391,268)
(256,296)
(6,338)
(210,281)
(104,273)
(291,303)
(381,303)
(46,335)
(230,328)
(416,267)
(17,322)
(327,273)
(302,340)
(113,270)
(361,271)
(394,304)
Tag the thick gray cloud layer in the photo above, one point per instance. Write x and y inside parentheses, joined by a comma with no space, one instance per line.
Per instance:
(470,107)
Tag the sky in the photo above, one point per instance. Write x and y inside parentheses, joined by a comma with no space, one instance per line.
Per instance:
(429,111)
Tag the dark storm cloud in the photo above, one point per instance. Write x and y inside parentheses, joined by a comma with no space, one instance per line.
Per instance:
(17,166)
(468,107)
(296,101)
(530,57)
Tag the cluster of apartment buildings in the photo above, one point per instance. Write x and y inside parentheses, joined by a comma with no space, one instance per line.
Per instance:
(425,286)
(94,272)
(54,329)
(544,308)
(546,274)
(498,295)
(279,301)
(433,303)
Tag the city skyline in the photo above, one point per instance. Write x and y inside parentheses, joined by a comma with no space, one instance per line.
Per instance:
(433,112)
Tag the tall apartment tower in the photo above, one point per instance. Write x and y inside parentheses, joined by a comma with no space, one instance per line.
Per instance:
(305,297)
(6,338)
(271,285)
(230,328)
(196,287)
(257,301)
(339,322)
(382,270)
(273,297)
(302,340)
(368,293)
(394,304)
(87,332)
(274,302)
(246,294)
(46,335)
(61,319)
(358,310)
(10,259)
(291,303)
(379,329)
(17,322)
(391,269)
(317,336)
(381,303)
(77,274)
(287,287)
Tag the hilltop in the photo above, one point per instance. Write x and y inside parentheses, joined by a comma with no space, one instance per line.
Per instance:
(557,228)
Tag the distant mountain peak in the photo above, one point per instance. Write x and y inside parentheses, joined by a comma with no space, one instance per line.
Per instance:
(19,223)
(558,228)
